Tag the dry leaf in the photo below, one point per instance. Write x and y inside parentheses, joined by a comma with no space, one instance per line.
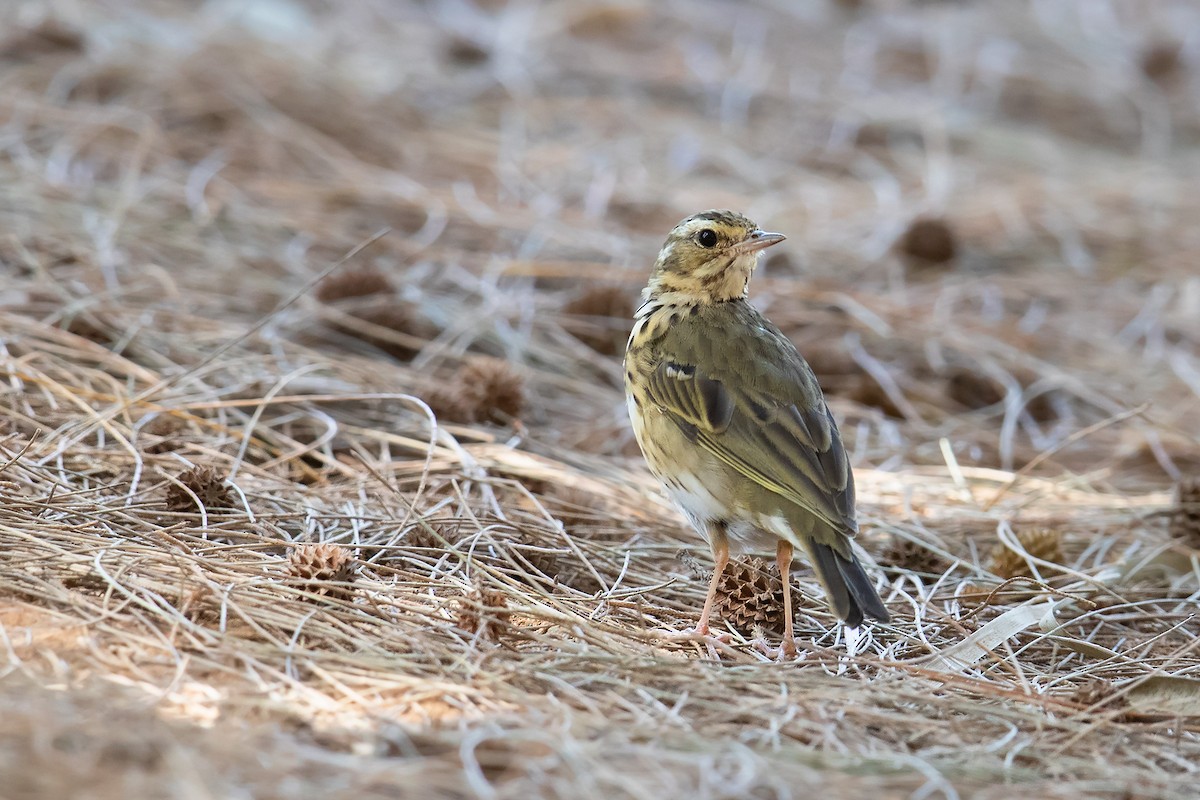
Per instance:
(1166,694)
(963,655)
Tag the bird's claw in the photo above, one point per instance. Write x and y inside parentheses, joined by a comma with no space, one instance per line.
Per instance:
(786,651)
(712,641)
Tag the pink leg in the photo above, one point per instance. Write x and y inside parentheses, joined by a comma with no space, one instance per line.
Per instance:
(720,548)
(783,559)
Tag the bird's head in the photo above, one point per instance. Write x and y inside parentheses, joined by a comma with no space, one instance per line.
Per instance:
(709,257)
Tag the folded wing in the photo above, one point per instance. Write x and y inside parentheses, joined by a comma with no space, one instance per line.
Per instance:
(770,426)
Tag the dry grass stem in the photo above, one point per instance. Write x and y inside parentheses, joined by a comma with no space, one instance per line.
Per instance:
(239,558)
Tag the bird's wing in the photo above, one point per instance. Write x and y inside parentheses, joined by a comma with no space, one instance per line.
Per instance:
(691,396)
(758,408)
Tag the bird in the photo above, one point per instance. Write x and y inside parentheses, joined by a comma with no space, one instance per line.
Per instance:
(733,423)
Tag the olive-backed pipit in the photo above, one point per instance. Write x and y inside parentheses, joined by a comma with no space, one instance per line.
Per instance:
(732,421)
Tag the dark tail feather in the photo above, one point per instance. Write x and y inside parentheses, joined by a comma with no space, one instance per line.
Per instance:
(825,562)
(851,594)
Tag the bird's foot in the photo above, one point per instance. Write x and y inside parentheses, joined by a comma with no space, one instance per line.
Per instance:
(714,642)
(786,651)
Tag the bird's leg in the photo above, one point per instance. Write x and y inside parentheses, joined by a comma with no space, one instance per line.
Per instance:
(720,550)
(783,559)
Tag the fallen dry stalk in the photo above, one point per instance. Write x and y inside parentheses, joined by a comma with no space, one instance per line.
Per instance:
(296,627)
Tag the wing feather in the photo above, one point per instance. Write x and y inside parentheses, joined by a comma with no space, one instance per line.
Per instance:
(761,412)
(692,396)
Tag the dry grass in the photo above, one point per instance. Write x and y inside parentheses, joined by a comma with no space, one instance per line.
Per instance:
(194,400)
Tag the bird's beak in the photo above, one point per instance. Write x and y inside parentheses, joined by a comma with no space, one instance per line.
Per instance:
(760,240)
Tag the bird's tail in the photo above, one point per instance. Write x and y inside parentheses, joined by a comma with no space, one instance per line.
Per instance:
(847,586)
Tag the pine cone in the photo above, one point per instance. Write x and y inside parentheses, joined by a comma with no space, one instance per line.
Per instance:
(47,38)
(207,483)
(165,428)
(905,554)
(1163,62)
(600,318)
(395,315)
(750,596)
(482,612)
(546,563)
(929,241)
(602,301)
(1043,543)
(1093,691)
(448,404)
(362,282)
(1185,517)
(973,390)
(321,566)
(483,390)
(419,538)
(495,391)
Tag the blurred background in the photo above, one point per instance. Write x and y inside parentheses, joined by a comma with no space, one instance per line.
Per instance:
(218,506)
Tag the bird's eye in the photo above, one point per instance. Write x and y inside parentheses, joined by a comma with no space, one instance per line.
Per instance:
(707,238)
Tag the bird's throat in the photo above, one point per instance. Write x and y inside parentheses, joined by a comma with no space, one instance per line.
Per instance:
(718,284)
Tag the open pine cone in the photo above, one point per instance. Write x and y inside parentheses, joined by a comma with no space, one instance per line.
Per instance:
(482,611)
(483,390)
(750,596)
(597,317)
(324,568)
(495,391)
(207,483)
(1043,543)
(351,283)
(905,554)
